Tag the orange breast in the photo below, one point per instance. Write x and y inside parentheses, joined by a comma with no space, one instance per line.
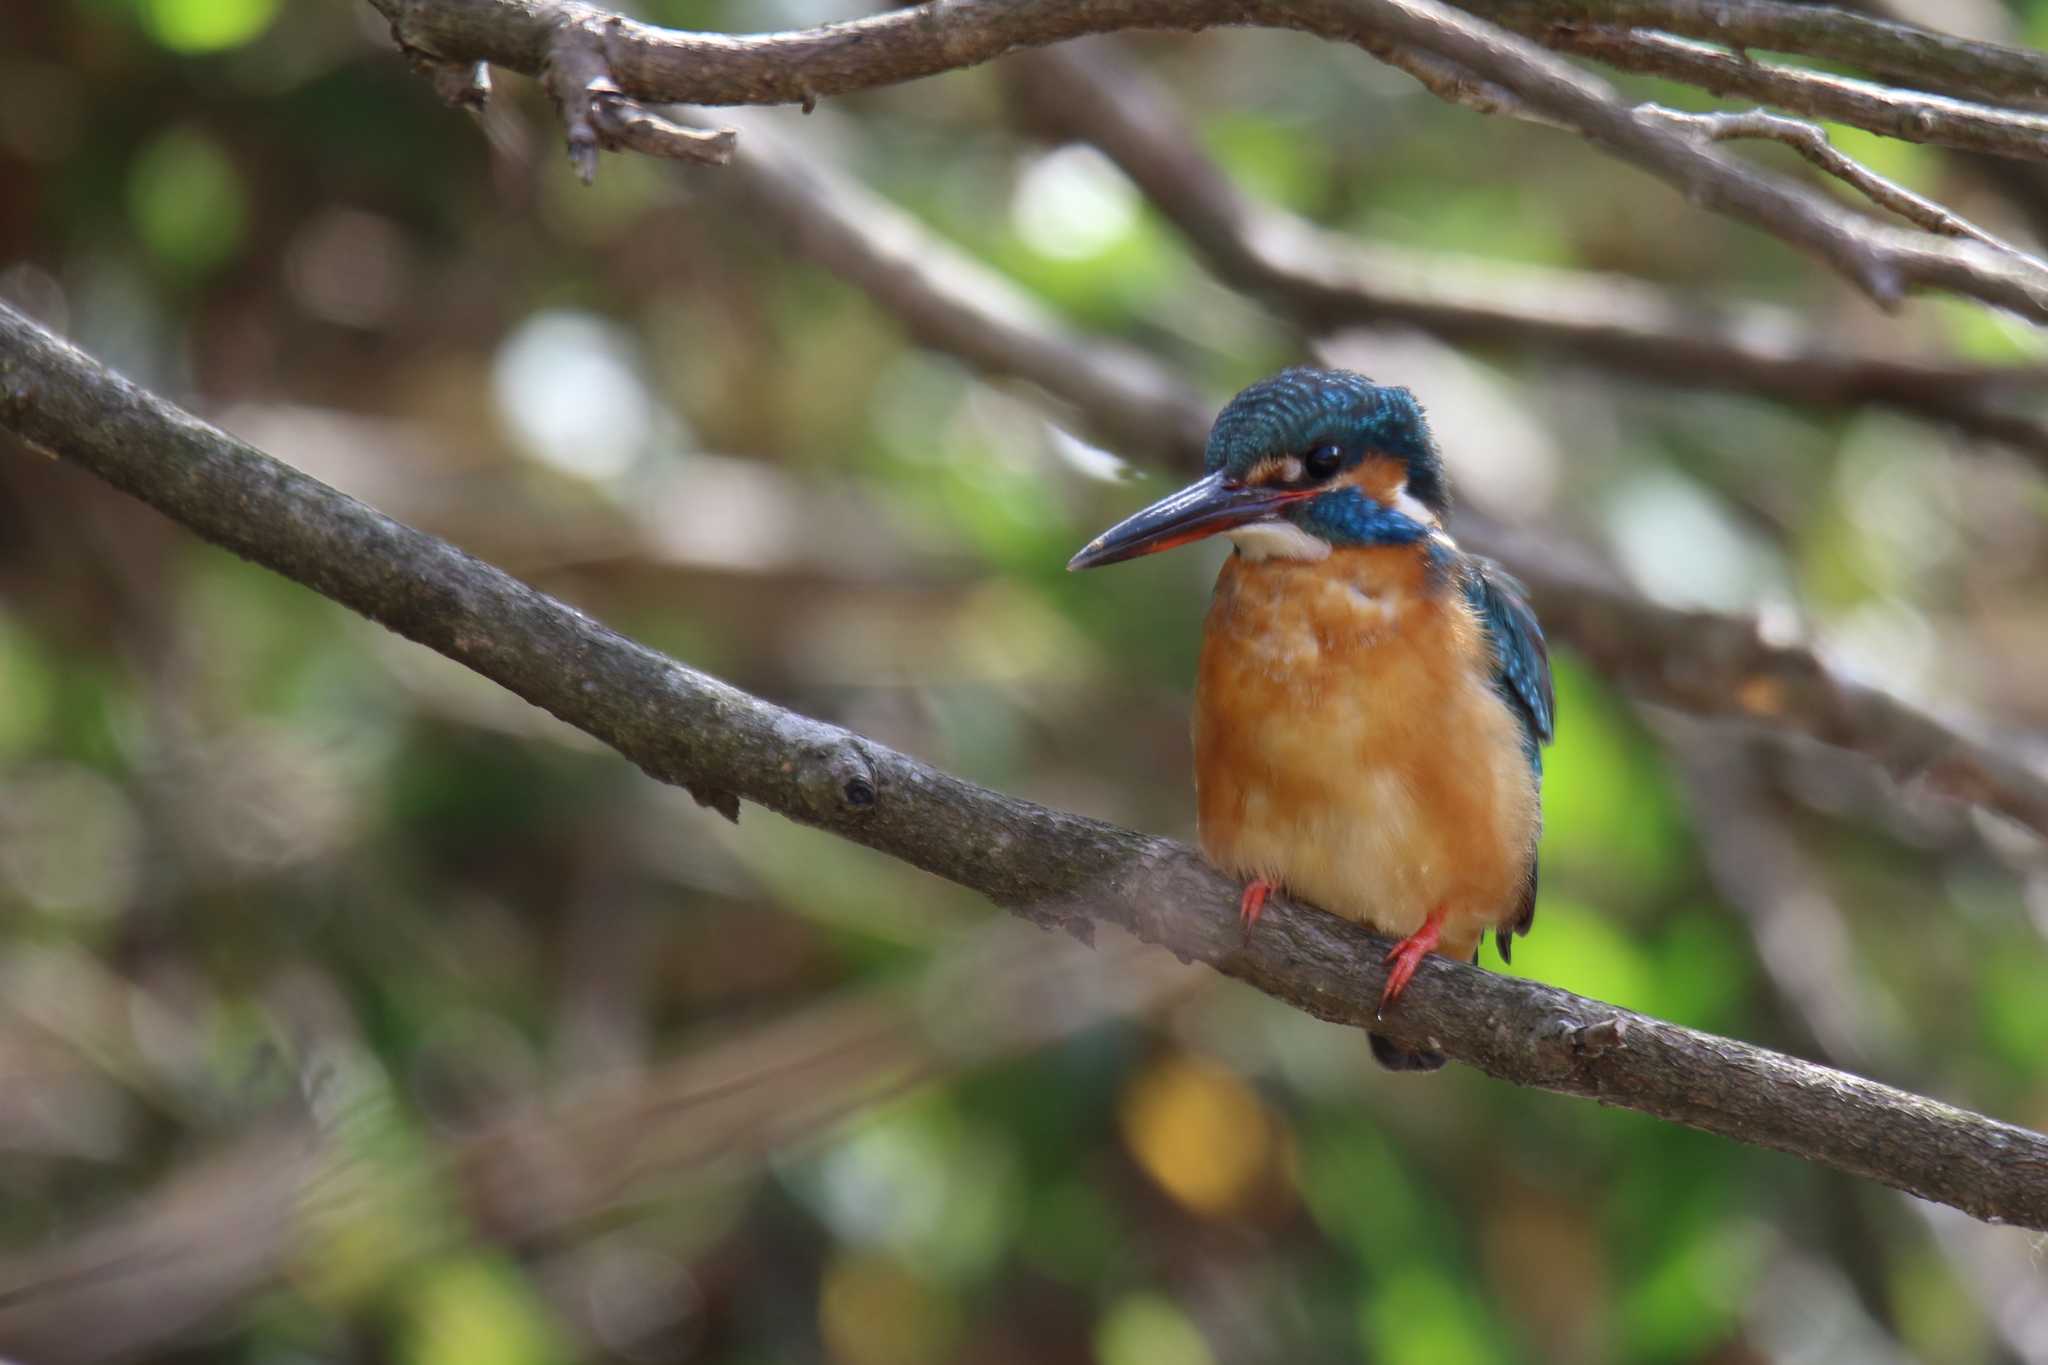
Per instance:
(1349,744)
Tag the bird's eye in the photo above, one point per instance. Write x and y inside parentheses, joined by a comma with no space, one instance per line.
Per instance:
(1322,462)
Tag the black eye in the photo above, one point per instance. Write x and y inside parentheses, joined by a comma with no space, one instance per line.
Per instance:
(1322,462)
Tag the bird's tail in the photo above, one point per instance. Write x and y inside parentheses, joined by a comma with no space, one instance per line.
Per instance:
(1395,1058)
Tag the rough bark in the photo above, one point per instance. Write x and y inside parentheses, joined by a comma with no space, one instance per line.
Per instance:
(1049,866)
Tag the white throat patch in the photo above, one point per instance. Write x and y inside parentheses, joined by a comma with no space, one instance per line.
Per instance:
(1277,540)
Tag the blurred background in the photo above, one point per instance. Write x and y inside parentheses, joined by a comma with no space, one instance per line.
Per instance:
(352,1010)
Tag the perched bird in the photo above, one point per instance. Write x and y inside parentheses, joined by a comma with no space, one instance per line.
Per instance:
(1371,700)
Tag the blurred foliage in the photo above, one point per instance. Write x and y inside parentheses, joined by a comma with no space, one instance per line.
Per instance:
(261,862)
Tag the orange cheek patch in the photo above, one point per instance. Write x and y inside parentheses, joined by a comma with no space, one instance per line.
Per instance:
(1379,477)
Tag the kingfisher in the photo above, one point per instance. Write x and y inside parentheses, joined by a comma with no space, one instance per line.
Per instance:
(1372,701)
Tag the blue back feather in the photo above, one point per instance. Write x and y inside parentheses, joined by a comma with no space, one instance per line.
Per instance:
(1521,661)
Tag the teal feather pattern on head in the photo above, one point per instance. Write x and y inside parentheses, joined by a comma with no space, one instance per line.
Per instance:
(1302,408)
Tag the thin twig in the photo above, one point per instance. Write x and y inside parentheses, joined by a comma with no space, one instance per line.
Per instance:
(597,114)
(462,85)
(666,66)
(626,125)
(1910,116)
(1054,868)
(1921,57)
(1324,280)
(1811,142)
(1884,262)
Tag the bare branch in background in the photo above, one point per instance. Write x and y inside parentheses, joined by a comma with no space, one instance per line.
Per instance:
(1696,661)
(1711,664)
(555,1171)
(952,303)
(659,65)
(208,1235)
(1884,262)
(1918,56)
(1056,869)
(1323,280)
(1811,142)
(229,1225)
(1909,116)
(1804,943)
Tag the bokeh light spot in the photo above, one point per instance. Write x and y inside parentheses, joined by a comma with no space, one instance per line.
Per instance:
(1419,1314)
(1200,1132)
(1144,1329)
(569,386)
(29,685)
(188,201)
(1684,548)
(1580,950)
(475,1310)
(70,842)
(872,1311)
(938,1193)
(1072,203)
(195,26)
(1608,808)
(350,267)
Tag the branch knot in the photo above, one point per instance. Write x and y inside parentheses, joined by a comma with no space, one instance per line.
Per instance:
(836,779)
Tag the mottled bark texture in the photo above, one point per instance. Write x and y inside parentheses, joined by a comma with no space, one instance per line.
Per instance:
(1058,869)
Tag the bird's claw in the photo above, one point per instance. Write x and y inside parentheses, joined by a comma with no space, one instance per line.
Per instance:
(1252,904)
(1404,957)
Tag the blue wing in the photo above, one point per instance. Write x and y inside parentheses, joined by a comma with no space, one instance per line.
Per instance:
(1521,661)
(1521,674)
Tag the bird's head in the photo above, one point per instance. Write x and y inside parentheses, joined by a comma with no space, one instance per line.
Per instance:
(1299,464)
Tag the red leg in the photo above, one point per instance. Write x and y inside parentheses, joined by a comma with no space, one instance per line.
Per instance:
(1406,956)
(1253,903)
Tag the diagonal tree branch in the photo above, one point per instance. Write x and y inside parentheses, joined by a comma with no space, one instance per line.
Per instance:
(664,66)
(1323,280)
(1048,866)
(1696,661)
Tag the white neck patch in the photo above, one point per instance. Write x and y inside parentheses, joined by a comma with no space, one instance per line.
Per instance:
(1277,540)
(1410,506)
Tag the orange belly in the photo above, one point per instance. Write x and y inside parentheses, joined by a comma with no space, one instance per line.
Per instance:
(1350,747)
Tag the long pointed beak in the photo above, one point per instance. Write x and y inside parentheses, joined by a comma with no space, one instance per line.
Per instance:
(1203,508)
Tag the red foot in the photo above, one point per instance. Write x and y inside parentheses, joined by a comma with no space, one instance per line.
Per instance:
(1253,903)
(1406,956)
